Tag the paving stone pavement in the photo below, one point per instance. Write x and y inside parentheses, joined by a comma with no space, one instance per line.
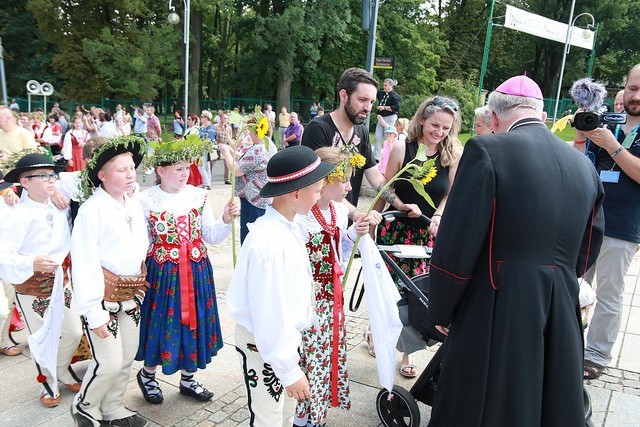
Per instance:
(615,396)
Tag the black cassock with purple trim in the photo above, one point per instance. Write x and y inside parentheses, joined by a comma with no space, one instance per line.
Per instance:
(522,222)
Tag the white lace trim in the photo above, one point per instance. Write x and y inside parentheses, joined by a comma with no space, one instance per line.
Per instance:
(157,200)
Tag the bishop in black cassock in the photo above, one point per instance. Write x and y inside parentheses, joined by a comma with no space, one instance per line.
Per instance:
(522,223)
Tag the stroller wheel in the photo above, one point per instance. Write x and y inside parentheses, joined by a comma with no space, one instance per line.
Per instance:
(399,411)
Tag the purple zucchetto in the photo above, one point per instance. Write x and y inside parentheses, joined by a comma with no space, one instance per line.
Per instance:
(520,86)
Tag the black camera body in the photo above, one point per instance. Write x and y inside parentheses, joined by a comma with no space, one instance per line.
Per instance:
(590,120)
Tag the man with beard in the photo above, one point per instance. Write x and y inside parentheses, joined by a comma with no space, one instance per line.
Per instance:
(615,152)
(357,91)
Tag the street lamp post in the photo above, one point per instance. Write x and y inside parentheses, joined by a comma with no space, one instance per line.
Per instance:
(174,19)
(567,48)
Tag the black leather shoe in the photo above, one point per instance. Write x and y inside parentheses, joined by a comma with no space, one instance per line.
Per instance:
(154,398)
(203,396)
(134,420)
(80,420)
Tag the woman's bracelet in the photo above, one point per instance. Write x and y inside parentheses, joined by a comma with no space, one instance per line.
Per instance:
(436,214)
(615,153)
(575,141)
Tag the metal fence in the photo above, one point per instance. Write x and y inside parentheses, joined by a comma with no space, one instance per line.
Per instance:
(166,107)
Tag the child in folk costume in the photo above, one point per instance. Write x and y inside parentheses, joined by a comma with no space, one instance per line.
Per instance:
(180,324)
(329,242)
(271,293)
(73,144)
(34,242)
(108,248)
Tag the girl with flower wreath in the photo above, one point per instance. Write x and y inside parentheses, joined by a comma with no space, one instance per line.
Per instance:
(435,125)
(180,327)
(329,243)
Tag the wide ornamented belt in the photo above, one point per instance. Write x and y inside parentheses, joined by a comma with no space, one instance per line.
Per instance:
(118,288)
(38,285)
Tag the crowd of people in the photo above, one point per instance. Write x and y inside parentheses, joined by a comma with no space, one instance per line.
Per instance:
(129,271)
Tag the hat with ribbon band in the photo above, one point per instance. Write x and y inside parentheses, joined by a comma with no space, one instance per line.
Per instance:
(292,169)
(30,162)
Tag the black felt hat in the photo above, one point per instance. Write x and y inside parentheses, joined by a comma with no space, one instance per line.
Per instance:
(116,146)
(292,169)
(4,184)
(30,162)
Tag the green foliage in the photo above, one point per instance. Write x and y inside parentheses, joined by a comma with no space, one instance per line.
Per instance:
(410,104)
(465,92)
(107,49)
(174,150)
(283,49)
(27,54)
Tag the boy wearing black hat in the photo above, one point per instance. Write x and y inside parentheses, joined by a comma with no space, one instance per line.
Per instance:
(108,248)
(271,296)
(34,242)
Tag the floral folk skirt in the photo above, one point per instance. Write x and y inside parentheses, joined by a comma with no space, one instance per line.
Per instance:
(316,362)
(164,340)
(398,233)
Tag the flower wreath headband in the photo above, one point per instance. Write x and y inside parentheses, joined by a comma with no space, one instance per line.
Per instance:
(85,186)
(173,151)
(354,160)
(12,159)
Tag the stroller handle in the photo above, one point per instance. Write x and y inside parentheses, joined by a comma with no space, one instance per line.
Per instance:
(392,215)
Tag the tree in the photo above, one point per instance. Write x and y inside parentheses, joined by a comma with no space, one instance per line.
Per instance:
(27,54)
(108,48)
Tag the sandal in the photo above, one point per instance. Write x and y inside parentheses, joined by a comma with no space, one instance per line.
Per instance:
(12,350)
(408,371)
(592,370)
(368,339)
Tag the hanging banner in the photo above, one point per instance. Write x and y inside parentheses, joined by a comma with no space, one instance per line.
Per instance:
(530,23)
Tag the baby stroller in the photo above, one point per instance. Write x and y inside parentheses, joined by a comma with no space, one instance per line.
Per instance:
(399,408)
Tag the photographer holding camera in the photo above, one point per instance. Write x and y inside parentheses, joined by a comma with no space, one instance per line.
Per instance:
(615,151)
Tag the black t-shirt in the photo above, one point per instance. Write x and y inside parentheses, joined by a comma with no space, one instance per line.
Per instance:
(622,199)
(322,132)
(437,188)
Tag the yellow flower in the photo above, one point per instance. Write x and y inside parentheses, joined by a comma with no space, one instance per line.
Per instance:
(262,127)
(338,175)
(357,161)
(429,176)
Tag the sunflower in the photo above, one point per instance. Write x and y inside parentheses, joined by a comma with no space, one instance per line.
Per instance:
(429,176)
(262,127)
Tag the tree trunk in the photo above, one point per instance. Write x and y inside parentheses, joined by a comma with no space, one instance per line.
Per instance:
(194,62)
(285,78)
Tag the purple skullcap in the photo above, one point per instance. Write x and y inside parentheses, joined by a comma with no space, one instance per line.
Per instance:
(520,86)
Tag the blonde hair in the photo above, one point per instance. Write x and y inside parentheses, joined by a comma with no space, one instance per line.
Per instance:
(331,155)
(404,124)
(207,114)
(447,146)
